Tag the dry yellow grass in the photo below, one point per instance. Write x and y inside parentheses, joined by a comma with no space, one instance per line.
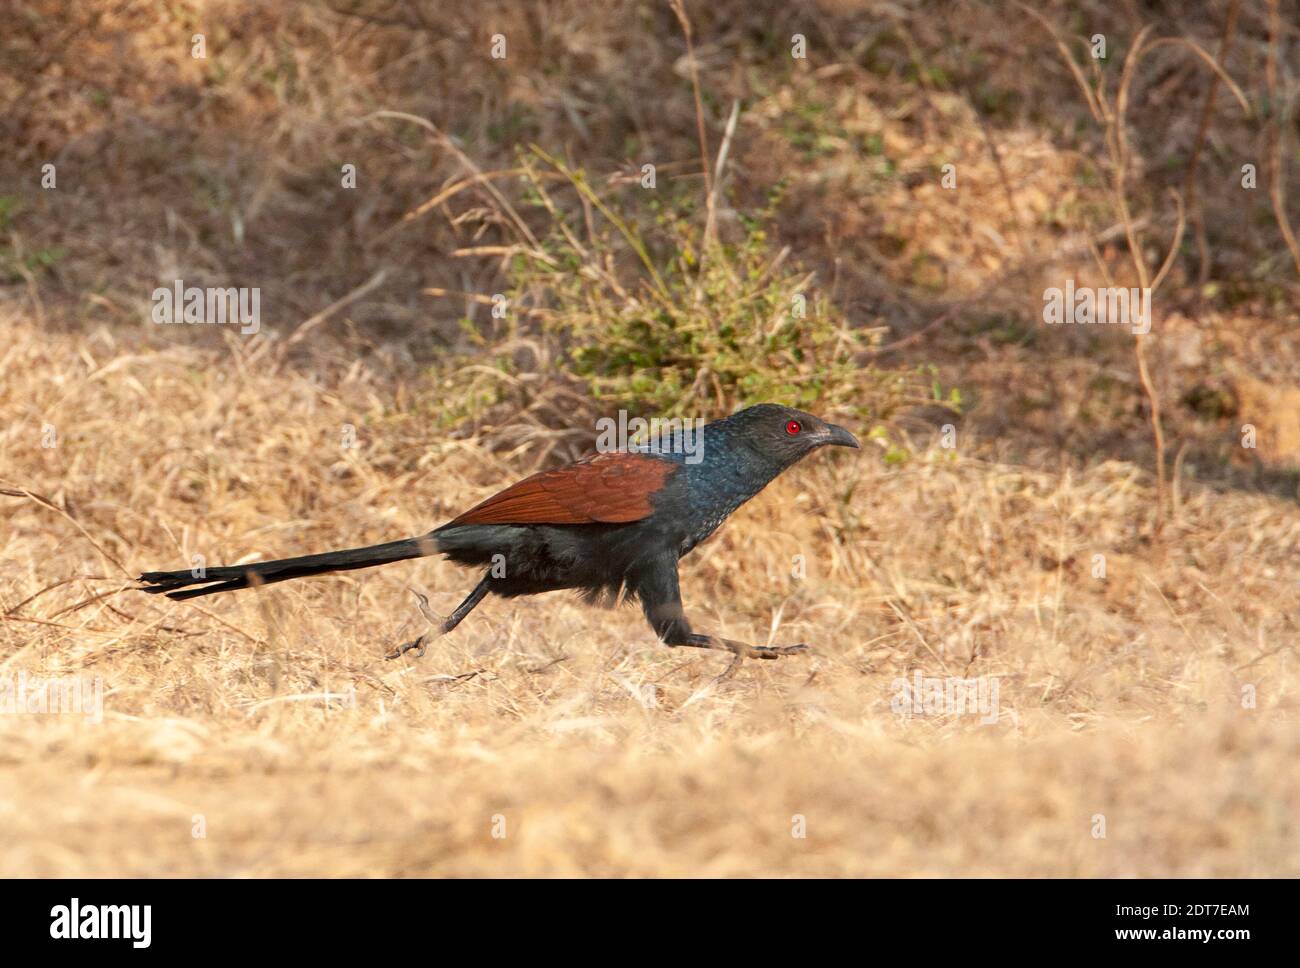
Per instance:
(600,751)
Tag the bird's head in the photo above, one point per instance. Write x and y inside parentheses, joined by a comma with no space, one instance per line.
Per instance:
(785,435)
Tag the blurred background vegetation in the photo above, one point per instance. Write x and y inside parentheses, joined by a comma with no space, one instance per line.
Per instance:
(797,244)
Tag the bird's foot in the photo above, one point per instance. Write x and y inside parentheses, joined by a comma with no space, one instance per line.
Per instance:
(401,650)
(775,651)
(742,650)
(422,643)
(756,652)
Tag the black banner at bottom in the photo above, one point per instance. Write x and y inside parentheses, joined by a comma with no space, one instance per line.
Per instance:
(340,917)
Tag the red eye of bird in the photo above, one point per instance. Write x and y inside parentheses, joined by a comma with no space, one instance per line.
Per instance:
(793,427)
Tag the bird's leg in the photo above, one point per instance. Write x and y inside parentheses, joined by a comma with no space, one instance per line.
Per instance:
(738,650)
(443,626)
(662,601)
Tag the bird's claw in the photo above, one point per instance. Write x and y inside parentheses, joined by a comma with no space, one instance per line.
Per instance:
(775,651)
(422,643)
(740,651)
(403,649)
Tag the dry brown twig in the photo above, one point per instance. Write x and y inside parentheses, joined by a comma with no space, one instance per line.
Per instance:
(1202,129)
(47,503)
(711,223)
(679,9)
(1280,104)
(1113,115)
(480,177)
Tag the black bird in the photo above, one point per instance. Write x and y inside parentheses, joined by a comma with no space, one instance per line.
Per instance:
(609,525)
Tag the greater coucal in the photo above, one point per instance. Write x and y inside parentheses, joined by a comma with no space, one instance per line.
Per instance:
(607,525)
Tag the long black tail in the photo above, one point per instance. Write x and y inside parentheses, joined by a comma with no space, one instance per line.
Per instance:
(265,572)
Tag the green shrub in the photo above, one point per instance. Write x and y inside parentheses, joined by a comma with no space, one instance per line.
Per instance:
(623,300)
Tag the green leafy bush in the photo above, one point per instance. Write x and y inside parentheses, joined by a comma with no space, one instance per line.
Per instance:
(624,300)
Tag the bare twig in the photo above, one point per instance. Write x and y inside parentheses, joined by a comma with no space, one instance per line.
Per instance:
(1207,112)
(710,224)
(46,502)
(1280,103)
(679,8)
(307,325)
(467,162)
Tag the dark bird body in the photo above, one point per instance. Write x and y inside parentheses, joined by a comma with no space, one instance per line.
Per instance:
(609,525)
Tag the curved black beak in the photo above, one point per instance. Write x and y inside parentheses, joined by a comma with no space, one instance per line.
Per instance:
(839,437)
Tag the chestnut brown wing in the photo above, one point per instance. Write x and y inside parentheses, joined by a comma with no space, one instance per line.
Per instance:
(607,488)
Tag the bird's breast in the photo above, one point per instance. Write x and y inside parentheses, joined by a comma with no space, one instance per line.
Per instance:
(705,525)
(712,491)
